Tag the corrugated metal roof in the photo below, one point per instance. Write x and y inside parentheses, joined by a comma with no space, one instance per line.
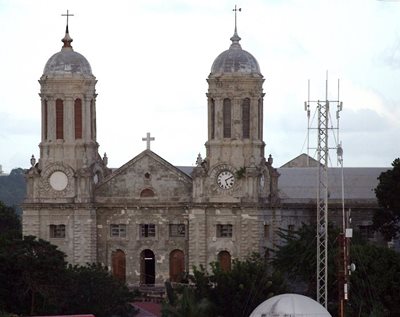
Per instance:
(301,183)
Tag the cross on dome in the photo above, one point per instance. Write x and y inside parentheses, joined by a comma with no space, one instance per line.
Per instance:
(236,38)
(148,139)
(67,40)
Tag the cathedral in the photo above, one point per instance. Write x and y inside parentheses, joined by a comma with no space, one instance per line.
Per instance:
(150,221)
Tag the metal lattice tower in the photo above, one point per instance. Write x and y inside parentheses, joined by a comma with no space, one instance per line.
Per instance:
(322,150)
(322,203)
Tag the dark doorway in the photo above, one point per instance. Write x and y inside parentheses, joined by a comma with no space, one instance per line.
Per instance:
(176,266)
(224,259)
(119,265)
(147,267)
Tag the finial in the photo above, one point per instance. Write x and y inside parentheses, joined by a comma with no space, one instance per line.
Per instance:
(199,160)
(270,160)
(67,39)
(33,160)
(236,38)
(105,159)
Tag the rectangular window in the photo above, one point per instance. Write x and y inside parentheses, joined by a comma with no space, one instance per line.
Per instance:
(290,229)
(177,230)
(266,232)
(147,230)
(57,231)
(59,119)
(118,230)
(367,232)
(224,231)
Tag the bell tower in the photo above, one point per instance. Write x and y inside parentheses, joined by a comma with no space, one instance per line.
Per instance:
(235,169)
(60,186)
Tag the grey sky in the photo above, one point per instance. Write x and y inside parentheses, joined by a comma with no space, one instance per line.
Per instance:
(152,58)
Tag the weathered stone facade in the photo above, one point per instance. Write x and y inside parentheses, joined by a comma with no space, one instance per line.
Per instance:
(148,220)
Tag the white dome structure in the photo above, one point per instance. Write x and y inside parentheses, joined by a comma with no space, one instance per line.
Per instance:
(290,305)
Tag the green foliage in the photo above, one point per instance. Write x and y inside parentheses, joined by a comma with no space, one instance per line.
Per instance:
(187,305)
(296,258)
(13,188)
(374,286)
(92,289)
(35,279)
(10,224)
(386,220)
(231,293)
(30,273)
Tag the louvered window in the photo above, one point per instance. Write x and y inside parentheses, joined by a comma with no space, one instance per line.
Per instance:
(59,119)
(227,118)
(246,118)
(78,118)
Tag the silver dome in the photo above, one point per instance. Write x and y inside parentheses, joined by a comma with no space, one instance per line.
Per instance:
(67,61)
(235,60)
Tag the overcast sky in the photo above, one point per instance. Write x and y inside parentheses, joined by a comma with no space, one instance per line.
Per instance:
(151,59)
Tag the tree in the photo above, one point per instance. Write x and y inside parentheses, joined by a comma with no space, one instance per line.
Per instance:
(31,271)
(10,224)
(231,293)
(374,286)
(35,279)
(187,305)
(92,289)
(296,258)
(386,220)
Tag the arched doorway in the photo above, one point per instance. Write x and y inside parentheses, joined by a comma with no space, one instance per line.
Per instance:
(118,262)
(176,265)
(147,267)
(224,259)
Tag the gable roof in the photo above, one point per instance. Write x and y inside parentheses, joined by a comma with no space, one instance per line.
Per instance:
(303,160)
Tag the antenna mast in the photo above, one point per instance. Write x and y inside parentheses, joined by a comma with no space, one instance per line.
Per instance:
(322,148)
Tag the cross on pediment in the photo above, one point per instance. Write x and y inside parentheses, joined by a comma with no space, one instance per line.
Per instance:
(148,139)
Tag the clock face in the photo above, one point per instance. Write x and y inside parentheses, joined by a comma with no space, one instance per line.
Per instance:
(58,180)
(225,179)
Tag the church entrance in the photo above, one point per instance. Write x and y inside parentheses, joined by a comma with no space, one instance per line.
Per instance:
(224,259)
(176,265)
(147,267)
(118,263)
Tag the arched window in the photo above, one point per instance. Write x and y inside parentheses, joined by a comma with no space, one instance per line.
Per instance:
(246,118)
(212,114)
(78,118)
(59,119)
(147,192)
(224,259)
(45,119)
(227,117)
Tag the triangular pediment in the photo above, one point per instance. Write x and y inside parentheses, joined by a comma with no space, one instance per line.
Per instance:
(147,178)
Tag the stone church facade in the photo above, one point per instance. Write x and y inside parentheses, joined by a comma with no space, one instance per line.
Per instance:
(149,220)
